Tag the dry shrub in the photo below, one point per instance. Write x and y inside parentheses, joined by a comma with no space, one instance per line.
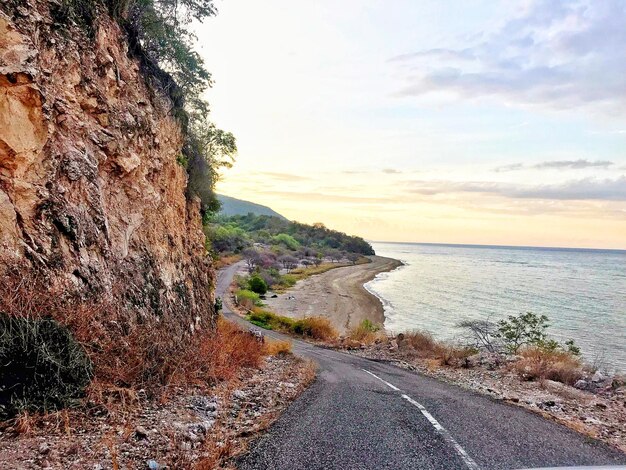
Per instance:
(277,347)
(218,355)
(24,423)
(226,260)
(366,332)
(318,328)
(538,363)
(455,356)
(423,344)
(129,352)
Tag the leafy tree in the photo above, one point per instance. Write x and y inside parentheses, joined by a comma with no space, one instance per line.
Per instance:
(289,262)
(252,257)
(226,238)
(334,255)
(208,149)
(257,284)
(286,240)
(353,257)
(524,329)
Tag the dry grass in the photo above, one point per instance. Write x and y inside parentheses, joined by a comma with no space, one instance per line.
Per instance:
(423,344)
(318,328)
(560,366)
(226,260)
(303,273)
(154,354)
(367,333)
(277,347)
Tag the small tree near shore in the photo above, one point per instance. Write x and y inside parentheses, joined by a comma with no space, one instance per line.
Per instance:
(482,334)
(522,330)
(514,333)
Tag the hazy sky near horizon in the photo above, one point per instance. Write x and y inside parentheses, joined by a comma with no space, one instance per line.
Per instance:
(428,121)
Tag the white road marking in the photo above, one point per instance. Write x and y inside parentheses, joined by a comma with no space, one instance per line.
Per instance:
(469,462)
(391,386)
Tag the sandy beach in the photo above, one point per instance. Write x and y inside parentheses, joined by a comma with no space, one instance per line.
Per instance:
(337,294)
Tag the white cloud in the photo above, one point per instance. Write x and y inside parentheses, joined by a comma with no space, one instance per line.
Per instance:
(582,189)
(557,165)
(554,54)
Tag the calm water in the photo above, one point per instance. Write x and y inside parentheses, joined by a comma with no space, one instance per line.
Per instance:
(583,292)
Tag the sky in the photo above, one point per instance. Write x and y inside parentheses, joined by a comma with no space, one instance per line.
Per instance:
(427,121)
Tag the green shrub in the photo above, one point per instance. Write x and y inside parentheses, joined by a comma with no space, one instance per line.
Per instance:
(241,281)
(42,366)
(248,299)
(523,330)
(367,325)
(318,328)
(287,240)
(270,321)
(288,280)
(257,284)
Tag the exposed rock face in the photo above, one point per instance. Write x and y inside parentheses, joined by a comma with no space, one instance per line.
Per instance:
(90,191)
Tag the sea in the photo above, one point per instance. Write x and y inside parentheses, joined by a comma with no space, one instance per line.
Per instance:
(582,291)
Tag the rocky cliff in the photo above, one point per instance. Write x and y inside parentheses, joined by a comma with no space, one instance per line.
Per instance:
(91,194)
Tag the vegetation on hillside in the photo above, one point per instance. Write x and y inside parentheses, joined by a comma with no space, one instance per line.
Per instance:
(233,206)
(232,234)
(277,252)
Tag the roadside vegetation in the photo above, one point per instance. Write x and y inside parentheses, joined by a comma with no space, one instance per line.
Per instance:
(67,360)
(315,328)
(519,342)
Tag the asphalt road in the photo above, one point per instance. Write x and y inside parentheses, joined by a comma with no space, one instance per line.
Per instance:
(363,414)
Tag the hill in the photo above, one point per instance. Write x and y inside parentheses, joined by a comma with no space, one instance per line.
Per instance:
(232,206)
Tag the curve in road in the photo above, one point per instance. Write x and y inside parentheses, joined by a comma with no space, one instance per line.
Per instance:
(365,414)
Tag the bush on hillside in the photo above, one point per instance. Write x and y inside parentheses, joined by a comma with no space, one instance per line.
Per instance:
(287,240)
(257,284)
(318,328)
(538,363)
(522,330)
(247,299)
(366,332)
(42,366)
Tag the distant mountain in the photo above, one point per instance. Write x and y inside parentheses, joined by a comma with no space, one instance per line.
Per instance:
(232,206)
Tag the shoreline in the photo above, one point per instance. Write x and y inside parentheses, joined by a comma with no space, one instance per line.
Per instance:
(339,295)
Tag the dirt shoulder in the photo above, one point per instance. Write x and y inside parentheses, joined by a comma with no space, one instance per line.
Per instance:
(337,294)
(201,429)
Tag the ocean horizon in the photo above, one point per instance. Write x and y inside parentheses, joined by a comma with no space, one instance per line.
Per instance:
(581,290)
(513,247)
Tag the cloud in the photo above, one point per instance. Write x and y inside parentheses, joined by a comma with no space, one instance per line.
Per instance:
(555,54)
(284,176)
(582,189)
(391,171)
(315,196)
(511,167)
(575,164)
(556,164)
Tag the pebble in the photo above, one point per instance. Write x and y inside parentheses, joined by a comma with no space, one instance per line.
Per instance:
(141,433)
